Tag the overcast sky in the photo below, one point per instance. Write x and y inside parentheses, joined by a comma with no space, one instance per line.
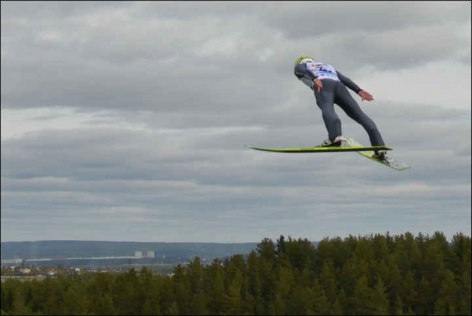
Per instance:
(126,121)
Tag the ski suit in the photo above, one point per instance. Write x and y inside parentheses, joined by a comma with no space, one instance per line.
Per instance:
(334,92)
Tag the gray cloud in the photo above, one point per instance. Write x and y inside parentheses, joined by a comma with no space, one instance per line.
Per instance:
(126,56)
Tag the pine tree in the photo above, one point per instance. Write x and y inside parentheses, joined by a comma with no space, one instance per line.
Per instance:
(408,292)
(215,287)
(104,305)
(300,253)
(254,283)
(7,296)
(233,291)
(336,307)
(182,291)
(361,297)
(334,249)
(380,301)
(320,304)
(328,281)
(266,250)
(446,301)
(149,291)
(398,306)
(461,249)
(76,302)
(18,306)
(125,293)
(368,301)
(147,308)
(167,303)
(425,301)
(197,304)
(283,287)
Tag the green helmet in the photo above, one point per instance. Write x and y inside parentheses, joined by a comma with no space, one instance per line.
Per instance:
(301,58)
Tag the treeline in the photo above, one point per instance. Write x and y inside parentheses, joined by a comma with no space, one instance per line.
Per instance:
(365,275)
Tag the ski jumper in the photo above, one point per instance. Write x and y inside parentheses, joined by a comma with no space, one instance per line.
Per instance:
(334,92)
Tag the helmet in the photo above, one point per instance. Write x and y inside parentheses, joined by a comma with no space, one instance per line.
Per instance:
(301,58)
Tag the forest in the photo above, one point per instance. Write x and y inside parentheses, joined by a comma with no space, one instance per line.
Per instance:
(356,275)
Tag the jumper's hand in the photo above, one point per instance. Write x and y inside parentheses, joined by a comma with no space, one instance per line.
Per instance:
(365,95)
(318,84)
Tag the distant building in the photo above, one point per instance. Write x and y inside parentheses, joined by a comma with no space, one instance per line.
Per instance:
(151,254)
(138,254)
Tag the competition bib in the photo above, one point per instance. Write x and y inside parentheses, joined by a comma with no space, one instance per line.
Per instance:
(323,71)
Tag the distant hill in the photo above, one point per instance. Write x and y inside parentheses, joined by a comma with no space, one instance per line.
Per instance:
(75,249)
